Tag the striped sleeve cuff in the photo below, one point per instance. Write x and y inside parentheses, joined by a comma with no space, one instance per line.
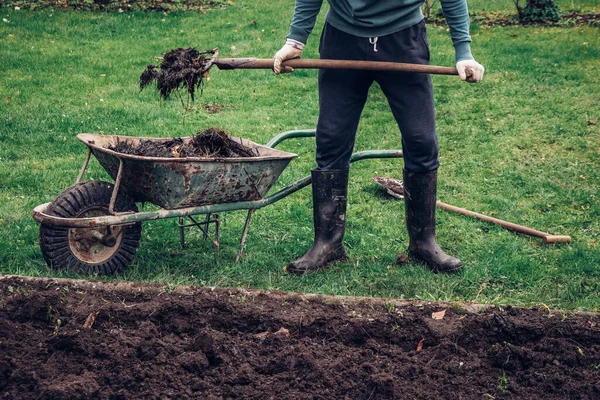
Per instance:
(298,34)
(463,51)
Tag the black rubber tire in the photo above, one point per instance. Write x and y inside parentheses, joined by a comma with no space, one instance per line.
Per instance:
(73,202)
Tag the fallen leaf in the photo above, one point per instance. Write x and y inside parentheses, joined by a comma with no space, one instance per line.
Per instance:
(438,315)
(282,333)
(262,335)
(90,320)
(420,345)
(401,259)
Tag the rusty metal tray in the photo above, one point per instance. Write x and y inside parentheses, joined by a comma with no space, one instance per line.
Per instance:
(173,183)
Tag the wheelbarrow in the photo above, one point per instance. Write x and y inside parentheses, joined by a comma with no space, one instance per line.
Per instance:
(94,227)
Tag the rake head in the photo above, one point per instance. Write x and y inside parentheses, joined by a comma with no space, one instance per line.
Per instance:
(394,187)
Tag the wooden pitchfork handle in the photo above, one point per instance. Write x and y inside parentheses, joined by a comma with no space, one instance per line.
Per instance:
(267,63)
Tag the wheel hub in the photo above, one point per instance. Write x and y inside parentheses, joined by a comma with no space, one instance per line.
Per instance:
(98,244)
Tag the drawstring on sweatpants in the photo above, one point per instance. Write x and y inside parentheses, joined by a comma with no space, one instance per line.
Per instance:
(373,41)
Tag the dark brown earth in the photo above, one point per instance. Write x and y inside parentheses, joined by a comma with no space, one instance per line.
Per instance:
(151,341)
(211,143)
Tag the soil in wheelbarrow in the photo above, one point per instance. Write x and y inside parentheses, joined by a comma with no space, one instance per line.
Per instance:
(211,143)
(80,339)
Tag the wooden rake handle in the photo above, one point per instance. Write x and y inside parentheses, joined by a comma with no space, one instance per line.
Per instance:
(267,63)
(546,237)
(395,187)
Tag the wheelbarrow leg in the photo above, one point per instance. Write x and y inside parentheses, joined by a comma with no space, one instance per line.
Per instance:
(244,235)
(113,197)
(182,232)
(217,237)
(206,222)
(84,166)
(203,226)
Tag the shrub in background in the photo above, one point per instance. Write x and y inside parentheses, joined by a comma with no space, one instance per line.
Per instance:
(536,11)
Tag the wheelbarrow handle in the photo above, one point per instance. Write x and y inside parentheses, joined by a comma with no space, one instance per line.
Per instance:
(267,63)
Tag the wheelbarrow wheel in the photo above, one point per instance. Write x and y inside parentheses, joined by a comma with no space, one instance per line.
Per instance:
(94,250)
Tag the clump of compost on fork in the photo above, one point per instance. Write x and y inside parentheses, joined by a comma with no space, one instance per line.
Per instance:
(179,69)
(211,143)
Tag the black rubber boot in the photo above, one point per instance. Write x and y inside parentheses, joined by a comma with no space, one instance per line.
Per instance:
(420,197)
(330,191)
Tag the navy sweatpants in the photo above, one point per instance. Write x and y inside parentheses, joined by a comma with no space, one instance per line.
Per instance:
(343,93)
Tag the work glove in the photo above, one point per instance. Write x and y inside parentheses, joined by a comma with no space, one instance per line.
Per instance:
(470,71)
(292,49)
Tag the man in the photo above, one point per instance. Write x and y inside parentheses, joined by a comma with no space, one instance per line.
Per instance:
(376,30)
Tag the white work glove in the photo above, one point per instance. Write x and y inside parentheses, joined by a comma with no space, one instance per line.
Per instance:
(470,71)
(291,49)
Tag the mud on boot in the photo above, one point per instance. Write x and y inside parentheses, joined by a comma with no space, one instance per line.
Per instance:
(419,199)
(330,191)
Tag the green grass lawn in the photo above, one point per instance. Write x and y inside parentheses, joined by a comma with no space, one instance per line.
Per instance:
(517,146)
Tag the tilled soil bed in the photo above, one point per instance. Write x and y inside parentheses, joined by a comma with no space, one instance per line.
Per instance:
(152,341)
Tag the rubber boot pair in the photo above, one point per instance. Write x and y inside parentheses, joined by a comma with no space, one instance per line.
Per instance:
(330,197)
(330,191)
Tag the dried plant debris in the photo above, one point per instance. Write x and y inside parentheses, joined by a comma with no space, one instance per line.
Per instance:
(211,143)
(179,69)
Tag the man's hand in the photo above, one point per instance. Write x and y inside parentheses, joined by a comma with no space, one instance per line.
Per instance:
(470,71)
(291,49)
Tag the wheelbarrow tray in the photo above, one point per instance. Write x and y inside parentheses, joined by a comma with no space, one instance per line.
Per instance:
(173,183)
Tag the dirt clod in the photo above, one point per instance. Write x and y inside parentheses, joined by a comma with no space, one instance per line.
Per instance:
(179,69)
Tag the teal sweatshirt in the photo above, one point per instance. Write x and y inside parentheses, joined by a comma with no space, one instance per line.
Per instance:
(374,18)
